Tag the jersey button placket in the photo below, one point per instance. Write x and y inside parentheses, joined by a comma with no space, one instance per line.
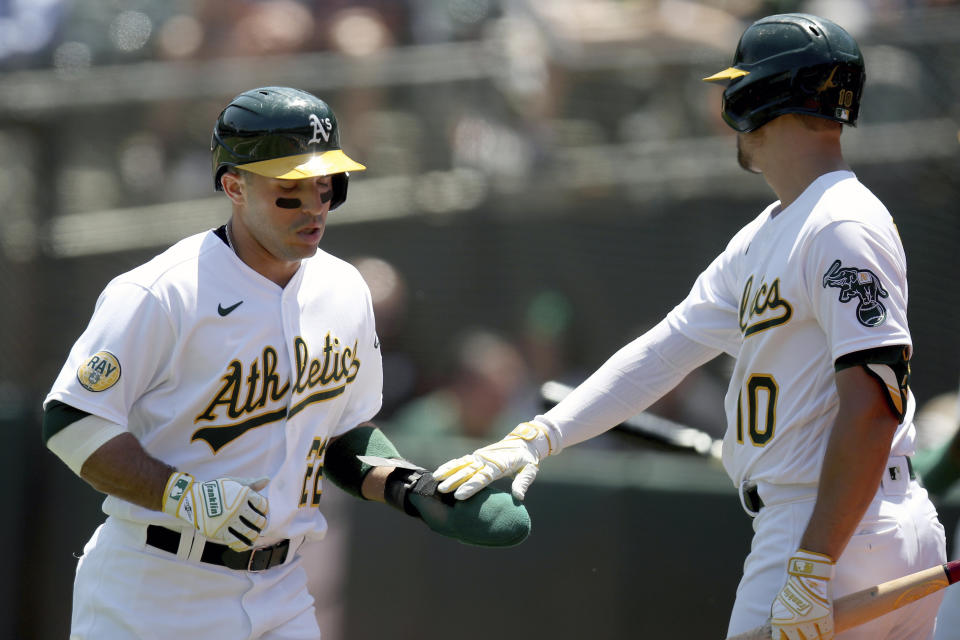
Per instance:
(290,318)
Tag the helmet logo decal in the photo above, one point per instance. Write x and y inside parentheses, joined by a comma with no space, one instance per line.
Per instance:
(828,83)
(320,128)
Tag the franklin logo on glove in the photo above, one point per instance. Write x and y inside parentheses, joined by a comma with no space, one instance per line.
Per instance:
(212,499)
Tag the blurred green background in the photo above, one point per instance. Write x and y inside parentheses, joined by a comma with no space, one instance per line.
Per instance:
(545,180)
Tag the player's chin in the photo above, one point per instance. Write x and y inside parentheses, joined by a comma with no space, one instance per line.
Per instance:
(309,238)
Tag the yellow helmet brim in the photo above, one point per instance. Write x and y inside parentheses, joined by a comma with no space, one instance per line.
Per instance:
(307,165)
(730,73)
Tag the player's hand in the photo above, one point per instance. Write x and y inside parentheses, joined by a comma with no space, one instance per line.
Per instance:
(227,510)
(519,453)
(804,607)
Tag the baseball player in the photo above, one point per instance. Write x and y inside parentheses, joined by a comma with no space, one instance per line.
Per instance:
(214,388)
(810,298)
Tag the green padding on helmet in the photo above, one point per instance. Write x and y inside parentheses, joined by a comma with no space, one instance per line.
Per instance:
(341,466)
(491,518)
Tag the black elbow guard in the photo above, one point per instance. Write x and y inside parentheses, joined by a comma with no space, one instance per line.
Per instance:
(890,367)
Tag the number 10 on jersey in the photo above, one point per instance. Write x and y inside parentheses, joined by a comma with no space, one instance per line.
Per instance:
(761,400)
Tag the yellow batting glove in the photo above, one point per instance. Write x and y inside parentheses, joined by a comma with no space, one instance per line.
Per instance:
(803,610)
(225,510)
(520,453)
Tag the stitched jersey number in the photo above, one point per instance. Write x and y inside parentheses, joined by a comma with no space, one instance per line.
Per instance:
(761,409)
(311,491)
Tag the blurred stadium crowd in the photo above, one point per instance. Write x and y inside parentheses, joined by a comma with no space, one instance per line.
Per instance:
(456,106)
(545,179)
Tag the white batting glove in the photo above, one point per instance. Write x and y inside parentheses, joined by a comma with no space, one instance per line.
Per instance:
(227,510)
(803,609)
(520,453)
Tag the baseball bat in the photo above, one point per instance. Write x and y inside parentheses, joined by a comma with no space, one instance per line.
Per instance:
(856,608)
(648,426)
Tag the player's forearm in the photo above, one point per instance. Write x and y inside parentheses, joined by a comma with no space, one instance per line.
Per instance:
(122,468)
(853,465)
(375,482)
(632,379)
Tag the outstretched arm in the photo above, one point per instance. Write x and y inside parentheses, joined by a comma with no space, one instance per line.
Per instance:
(364,463)
(630,381)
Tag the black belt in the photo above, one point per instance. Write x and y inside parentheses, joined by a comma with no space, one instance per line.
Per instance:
(258,559)
(751,497)
(913,474)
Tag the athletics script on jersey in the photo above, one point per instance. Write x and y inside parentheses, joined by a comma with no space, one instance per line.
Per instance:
(248,390)
(762,309)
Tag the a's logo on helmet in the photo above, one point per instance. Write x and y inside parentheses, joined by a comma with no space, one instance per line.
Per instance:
(99,372)
(861,284)
(828,83)
(320,128)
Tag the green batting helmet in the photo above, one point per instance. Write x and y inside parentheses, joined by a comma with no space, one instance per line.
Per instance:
(792,63)
(280,132)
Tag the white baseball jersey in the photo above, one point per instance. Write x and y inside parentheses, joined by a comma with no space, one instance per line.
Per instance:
(794,290)
(220,372)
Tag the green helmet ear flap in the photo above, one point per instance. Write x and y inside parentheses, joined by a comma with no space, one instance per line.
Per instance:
(340,181)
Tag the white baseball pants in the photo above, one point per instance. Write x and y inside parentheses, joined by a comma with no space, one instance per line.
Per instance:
(125,589)
(899,534)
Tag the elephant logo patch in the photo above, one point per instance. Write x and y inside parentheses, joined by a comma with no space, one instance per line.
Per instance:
(862,284)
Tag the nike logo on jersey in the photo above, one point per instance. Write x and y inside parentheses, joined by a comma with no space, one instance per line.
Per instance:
(762,309)
(225,311)
(248,390)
